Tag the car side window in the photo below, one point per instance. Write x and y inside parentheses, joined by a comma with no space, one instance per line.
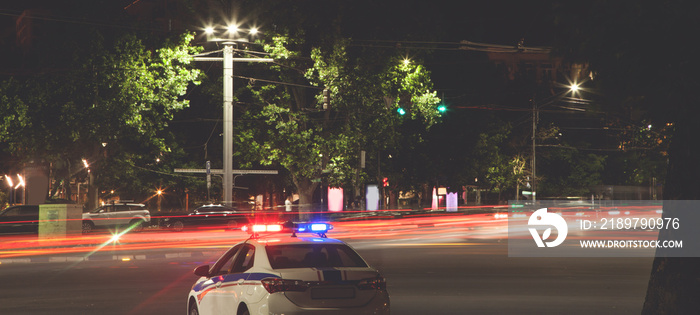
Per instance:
(244,260)
(225,264)
(12,212)
(30,211)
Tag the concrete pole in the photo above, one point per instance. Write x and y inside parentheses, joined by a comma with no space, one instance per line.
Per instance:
(228,124)
(534,152)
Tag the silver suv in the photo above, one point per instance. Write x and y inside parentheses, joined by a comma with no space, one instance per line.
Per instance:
(119,213)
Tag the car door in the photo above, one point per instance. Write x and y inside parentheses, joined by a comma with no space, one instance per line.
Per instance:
(29,218)
(212,292)
(209,216)
(101,217)
(9,218)
(232,291)
(121,215)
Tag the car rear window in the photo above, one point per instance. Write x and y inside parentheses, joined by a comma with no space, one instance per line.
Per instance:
(313,256)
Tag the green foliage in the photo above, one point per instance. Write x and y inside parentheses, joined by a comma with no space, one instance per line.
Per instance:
(569,172)
(495,167)
(308,141)
(14,112)
(408,83)
(110,108)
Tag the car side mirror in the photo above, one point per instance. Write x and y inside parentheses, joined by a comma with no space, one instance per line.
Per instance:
(202,271)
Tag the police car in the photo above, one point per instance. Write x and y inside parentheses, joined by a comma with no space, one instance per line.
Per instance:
(277,271)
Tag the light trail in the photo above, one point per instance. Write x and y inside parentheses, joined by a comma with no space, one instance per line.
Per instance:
(430,229)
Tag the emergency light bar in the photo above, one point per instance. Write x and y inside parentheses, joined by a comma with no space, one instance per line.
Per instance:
(313,227)
(303,227)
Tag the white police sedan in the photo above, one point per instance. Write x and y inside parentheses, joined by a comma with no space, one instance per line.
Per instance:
(280,273)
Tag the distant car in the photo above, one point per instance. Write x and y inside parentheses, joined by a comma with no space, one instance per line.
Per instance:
(208,215)
(117,214)
(20,219)
(286,274)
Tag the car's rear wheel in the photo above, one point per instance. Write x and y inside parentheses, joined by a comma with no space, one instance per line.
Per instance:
(136,225)
(177,226)
(243,310)
(88,226)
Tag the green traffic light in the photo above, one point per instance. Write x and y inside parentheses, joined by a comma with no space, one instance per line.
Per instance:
(401,111)
(442,108)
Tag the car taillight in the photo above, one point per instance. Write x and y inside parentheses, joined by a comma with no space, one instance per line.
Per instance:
(273,285)
(378,283)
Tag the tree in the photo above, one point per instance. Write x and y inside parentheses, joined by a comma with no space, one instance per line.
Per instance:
(309,141)
(110,109)
(642,60)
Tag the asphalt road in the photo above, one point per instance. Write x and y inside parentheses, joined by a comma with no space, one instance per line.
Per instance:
(459,271)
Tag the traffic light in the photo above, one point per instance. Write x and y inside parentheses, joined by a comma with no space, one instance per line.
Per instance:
(401,111)
(385,181)
(442,108)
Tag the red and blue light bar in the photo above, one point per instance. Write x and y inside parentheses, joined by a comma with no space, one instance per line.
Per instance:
(301,227)
(313,227)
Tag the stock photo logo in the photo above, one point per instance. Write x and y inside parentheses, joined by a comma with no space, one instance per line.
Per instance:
(542,218)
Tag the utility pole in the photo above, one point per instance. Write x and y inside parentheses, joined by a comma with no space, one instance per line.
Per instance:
(228,60)
(534,160)
(228,124)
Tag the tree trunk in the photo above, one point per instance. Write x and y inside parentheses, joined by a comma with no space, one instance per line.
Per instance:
(306,189)
(674,283)
(92,193)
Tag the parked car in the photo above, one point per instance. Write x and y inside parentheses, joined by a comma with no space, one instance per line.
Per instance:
(117,214)
(20,219)
(212,215)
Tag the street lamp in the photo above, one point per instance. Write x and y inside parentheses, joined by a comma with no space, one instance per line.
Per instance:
(13,187)
(10,184)
(228,60)
(20,184)
(159,192)
(574,88)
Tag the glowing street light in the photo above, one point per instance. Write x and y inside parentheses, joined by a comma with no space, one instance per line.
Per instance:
(13,187)
(159,192)
(232,29)
(9,181)
(21,181)
(574,87)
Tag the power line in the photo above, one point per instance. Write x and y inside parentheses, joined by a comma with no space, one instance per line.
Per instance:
(75,21)
(278,82)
